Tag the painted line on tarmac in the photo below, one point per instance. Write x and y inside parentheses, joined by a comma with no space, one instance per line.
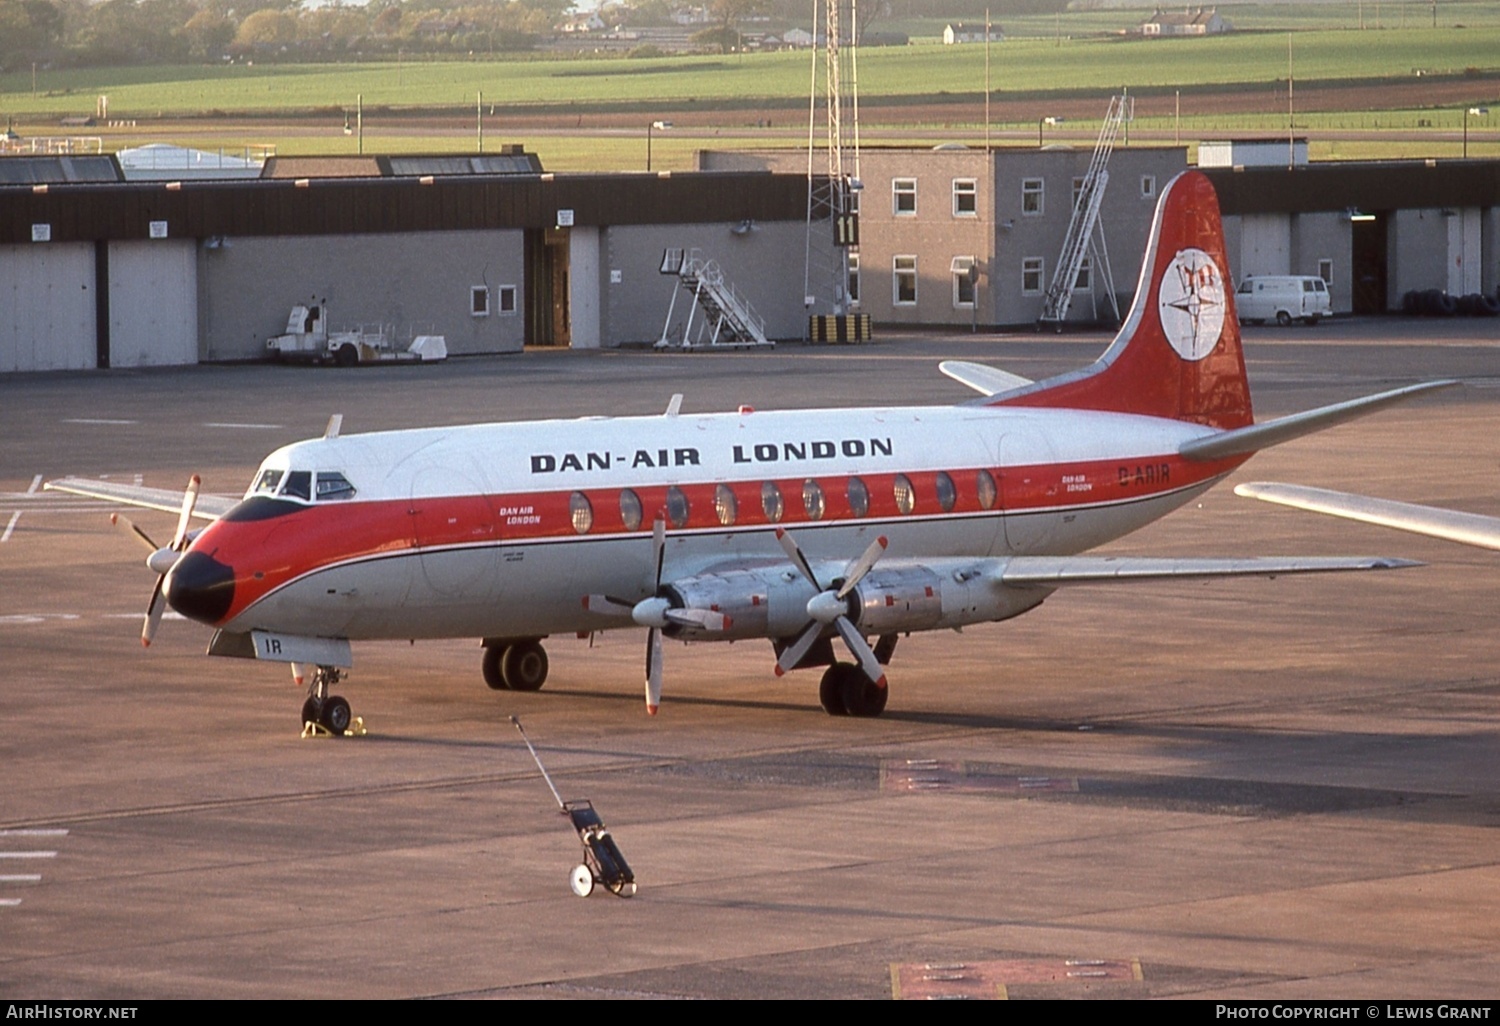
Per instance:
(21,878)
(36,483)
(102,421)
(10,527)
(35,832)
(28,854)
(10,902)
(244,427)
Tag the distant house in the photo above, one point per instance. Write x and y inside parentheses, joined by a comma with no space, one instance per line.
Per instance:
(799,39)
(580,24)
(970,32)
(1199,21)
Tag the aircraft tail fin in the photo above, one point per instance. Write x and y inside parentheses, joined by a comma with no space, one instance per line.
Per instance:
(1178,354)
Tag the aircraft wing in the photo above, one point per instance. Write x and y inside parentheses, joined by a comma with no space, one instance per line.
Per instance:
(209,507)
(1273,432)
(982,379)
(1056,571)
(1448,524)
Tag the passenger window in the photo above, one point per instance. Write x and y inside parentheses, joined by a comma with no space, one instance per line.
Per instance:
(859,497)
(677,507)
(906,497)
(630,510)
(812,499)
(771,502)
(333,486)
(725,505)
(947,495)
(985,486)
(269,479)
(581,511)
(298,485)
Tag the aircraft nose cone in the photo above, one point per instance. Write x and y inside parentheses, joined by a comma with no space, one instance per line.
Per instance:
(200,588)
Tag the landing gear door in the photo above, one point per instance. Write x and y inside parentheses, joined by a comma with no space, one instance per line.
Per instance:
(1028,489)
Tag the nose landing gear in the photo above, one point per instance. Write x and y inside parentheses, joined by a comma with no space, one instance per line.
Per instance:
(325,713)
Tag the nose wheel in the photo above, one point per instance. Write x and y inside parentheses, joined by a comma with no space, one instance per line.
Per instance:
(320,709)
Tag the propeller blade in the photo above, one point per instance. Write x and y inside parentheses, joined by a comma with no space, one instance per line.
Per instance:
(658,548)
(862,565)
(653,671)
(795,553)
(793,653)
(860,649)
(189,502)
(153,613)
(704,619)
(128,527)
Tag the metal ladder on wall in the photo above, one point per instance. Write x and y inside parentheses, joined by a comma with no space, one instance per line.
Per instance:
(1085,231)
(728,320)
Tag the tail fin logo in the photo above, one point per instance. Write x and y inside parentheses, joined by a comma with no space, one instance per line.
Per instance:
(1191,304)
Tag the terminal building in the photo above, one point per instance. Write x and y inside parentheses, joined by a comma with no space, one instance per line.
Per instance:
(492,252)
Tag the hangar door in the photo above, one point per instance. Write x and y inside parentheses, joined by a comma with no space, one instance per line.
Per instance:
(153,303)
(47,291)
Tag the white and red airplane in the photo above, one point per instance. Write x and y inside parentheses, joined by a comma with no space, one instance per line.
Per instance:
(796,527)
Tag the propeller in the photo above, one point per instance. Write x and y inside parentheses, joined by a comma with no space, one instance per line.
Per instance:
(162,559)
(657,613)
(829,608)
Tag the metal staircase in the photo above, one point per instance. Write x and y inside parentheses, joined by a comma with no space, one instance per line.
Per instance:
(1085,231)
(728,320)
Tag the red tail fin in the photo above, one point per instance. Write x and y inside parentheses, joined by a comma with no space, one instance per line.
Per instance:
(1178,354)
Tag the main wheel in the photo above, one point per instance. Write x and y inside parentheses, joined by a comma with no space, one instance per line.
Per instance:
(625,889)
(862,696)
(831,690)
(1283,318)
(524,666)
(581,880)
(490,666)
(335,715)
(1311,322)
(346,356)
(310,710)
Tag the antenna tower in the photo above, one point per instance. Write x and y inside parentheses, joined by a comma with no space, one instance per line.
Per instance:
(832,184)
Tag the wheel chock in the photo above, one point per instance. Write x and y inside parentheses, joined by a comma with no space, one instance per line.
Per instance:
(314,729)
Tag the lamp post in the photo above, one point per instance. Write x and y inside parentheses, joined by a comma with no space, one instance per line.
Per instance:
(1040,122)
(1472,112)
(659,126)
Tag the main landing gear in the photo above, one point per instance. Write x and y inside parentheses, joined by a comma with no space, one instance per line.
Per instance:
(846,691)
(514,664)
(321,709)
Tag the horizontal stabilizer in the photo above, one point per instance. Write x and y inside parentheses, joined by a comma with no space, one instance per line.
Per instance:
(1056,571)
(1448,524)
(1273,432)
(982,379)
(208,507)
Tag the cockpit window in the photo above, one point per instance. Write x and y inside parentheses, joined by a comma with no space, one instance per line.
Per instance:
(267,482)
(298,485)
(333,486)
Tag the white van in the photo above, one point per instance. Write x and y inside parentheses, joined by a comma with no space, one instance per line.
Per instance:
(1285,297)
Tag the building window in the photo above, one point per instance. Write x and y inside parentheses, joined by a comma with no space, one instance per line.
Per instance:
(1031,276)
(505,297)
(904,281)
(1148,186)
(1085,279)
(1033,197)
(479,301)
(965,274)
(904,197)
(853,277)
(1325,270)
(965,197)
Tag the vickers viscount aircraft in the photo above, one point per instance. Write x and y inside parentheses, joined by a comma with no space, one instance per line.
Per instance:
(800,528)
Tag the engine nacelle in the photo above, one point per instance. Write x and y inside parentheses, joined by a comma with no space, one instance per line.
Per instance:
(897,600)
(762,603)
